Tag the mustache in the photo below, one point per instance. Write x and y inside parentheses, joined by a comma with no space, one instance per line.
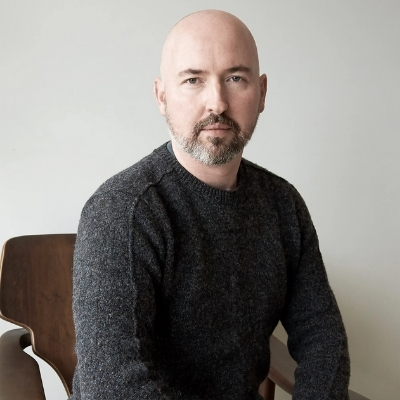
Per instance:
(216,119)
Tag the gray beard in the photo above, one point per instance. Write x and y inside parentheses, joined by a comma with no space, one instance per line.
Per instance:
(215,151)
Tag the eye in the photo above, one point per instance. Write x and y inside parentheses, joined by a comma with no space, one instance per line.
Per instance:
(192,81)
(236,78)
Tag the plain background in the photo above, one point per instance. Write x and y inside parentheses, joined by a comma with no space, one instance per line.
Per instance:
(77,106)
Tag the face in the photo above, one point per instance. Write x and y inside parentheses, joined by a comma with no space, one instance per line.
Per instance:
(211,93)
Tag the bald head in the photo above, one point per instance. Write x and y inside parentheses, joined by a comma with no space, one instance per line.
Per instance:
(207,33)
(210,91)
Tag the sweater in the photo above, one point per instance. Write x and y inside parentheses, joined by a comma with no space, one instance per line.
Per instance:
(178,286)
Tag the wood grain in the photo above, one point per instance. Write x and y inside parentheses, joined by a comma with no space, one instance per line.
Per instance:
(36,293)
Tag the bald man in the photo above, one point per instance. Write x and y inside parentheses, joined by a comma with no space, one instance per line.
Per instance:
(186,261)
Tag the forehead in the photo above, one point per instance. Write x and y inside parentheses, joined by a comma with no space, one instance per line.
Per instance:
(210,47)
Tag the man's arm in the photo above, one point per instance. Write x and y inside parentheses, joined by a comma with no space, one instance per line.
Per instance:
(113,304)
(316,335)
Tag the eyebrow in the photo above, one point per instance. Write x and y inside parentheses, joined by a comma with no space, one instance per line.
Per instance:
(239,68)
(191,71)
(236,68)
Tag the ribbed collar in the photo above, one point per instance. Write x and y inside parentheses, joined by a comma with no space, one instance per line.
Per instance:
(207,191)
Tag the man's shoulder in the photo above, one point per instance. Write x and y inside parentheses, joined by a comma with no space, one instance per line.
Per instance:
(261,175)
(135,179)
(129,185)
(266,183)
(285,197)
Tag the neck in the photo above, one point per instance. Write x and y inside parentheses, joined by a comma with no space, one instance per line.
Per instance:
(223,177)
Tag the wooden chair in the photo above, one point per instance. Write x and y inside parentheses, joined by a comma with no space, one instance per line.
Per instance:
(35,293)
(281,373)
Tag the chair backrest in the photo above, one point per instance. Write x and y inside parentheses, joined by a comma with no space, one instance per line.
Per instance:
(36,293)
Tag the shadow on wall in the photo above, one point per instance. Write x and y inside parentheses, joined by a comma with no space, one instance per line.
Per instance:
(370,343)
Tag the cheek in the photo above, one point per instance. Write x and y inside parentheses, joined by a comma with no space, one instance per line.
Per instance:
(245,108)
(183,115)
(187,110)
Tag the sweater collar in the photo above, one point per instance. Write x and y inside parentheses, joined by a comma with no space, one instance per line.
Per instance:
(166,153)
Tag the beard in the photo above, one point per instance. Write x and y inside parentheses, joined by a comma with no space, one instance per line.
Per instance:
(213,150)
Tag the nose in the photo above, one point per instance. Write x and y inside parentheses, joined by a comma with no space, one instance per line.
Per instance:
(216,101)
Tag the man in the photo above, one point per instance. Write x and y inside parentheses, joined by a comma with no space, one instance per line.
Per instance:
(186,261)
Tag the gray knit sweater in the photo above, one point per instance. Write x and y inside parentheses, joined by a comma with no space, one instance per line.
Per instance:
(178,287)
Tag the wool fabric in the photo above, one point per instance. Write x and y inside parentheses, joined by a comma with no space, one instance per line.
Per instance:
(178,286)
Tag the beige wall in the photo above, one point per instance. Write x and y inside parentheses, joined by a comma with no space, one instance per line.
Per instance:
(76,107)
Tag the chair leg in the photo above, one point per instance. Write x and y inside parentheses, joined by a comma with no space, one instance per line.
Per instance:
(267,389)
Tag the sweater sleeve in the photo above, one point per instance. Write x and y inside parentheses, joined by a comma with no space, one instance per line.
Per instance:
(316,335)
(115,274)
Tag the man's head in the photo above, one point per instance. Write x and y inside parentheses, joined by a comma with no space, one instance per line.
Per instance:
(210,90)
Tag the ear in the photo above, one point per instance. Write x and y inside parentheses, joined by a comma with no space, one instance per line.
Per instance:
(159,92)
(263,92)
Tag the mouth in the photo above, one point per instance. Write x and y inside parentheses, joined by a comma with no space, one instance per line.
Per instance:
(216,126)
(217,129)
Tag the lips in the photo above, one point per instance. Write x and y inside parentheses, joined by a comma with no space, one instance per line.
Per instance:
(216,124)
(217,127)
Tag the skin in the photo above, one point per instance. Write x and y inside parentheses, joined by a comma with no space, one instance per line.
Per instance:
(209,67)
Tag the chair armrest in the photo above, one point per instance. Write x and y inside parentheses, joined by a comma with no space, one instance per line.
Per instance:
(356,396)
(282,366)
(282,369)
(19,373)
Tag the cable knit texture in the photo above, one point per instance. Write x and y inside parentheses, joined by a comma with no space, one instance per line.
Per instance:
(178,287)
